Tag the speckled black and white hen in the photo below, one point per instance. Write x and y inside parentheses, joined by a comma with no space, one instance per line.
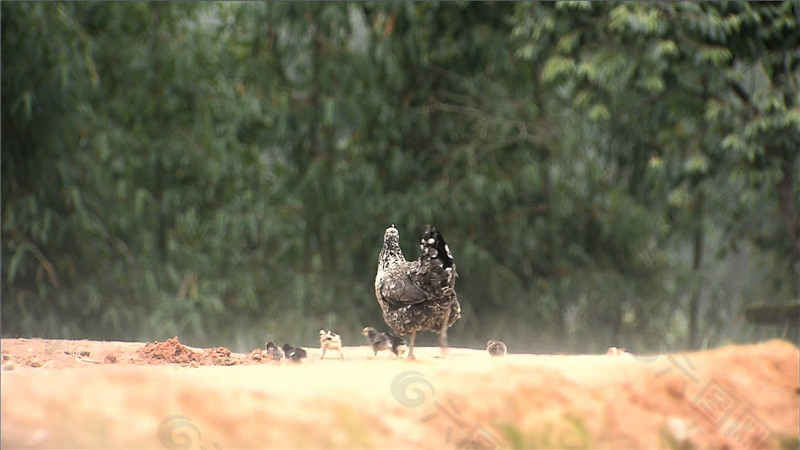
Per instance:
(417,295)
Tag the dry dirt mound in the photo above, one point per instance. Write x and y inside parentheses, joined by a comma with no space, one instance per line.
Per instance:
(166,395)
(173,352)
(58,353)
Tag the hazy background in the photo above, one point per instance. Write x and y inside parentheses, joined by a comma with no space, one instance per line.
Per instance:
(605,173)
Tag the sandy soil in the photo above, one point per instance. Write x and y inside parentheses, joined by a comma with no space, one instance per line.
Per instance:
(87,394)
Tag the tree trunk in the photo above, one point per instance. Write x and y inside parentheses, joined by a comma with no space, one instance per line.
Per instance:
(788,202)
(697,277)
(158,187)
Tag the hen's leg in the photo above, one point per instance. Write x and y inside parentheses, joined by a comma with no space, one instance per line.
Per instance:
(443,336)
(411,345)
(323,353)
(340,353)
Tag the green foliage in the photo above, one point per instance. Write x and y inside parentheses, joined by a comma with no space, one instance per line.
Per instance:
(224,171)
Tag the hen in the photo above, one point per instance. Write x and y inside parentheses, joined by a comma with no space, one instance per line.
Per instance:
(417,295)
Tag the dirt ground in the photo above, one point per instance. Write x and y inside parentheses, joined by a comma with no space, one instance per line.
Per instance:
(88,394)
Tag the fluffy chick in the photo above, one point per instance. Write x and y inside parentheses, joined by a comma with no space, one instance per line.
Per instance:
(294,354)
(398,344)
(384,341)
(377,340)
(496,348)
(614,351)
(328,340)
(273,351)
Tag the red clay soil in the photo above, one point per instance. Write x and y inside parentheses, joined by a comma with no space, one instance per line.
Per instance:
(88,394)
(173,352)
(57,353)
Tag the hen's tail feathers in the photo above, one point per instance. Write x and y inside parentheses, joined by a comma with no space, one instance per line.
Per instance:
(433,246)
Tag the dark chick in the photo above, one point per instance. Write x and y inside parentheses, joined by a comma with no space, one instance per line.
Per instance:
(496,348)
(420,294)
(273,351)
(294,354)
(377,340)
(398,344)
(380,341)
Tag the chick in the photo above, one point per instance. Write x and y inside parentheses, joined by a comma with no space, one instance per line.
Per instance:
(614,351)
(384,341)
(378,340)
(294,354)
(328,340)
(496,348)
(398,344)
(273,351)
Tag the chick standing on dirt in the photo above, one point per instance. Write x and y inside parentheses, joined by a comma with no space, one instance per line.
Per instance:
(614,351)
(273,351)
(496,348)
(384,341)
(294,354)
(328,340)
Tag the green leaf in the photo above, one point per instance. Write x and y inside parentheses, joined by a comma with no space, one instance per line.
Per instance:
(696,164)
(716,55)
(598,112)
(733,142)
(140,201)
(654,83)
(557,66)
(664,48)
(15,262)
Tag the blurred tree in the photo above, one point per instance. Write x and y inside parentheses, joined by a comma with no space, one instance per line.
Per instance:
(224,171)
(52,234)
(665,79)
